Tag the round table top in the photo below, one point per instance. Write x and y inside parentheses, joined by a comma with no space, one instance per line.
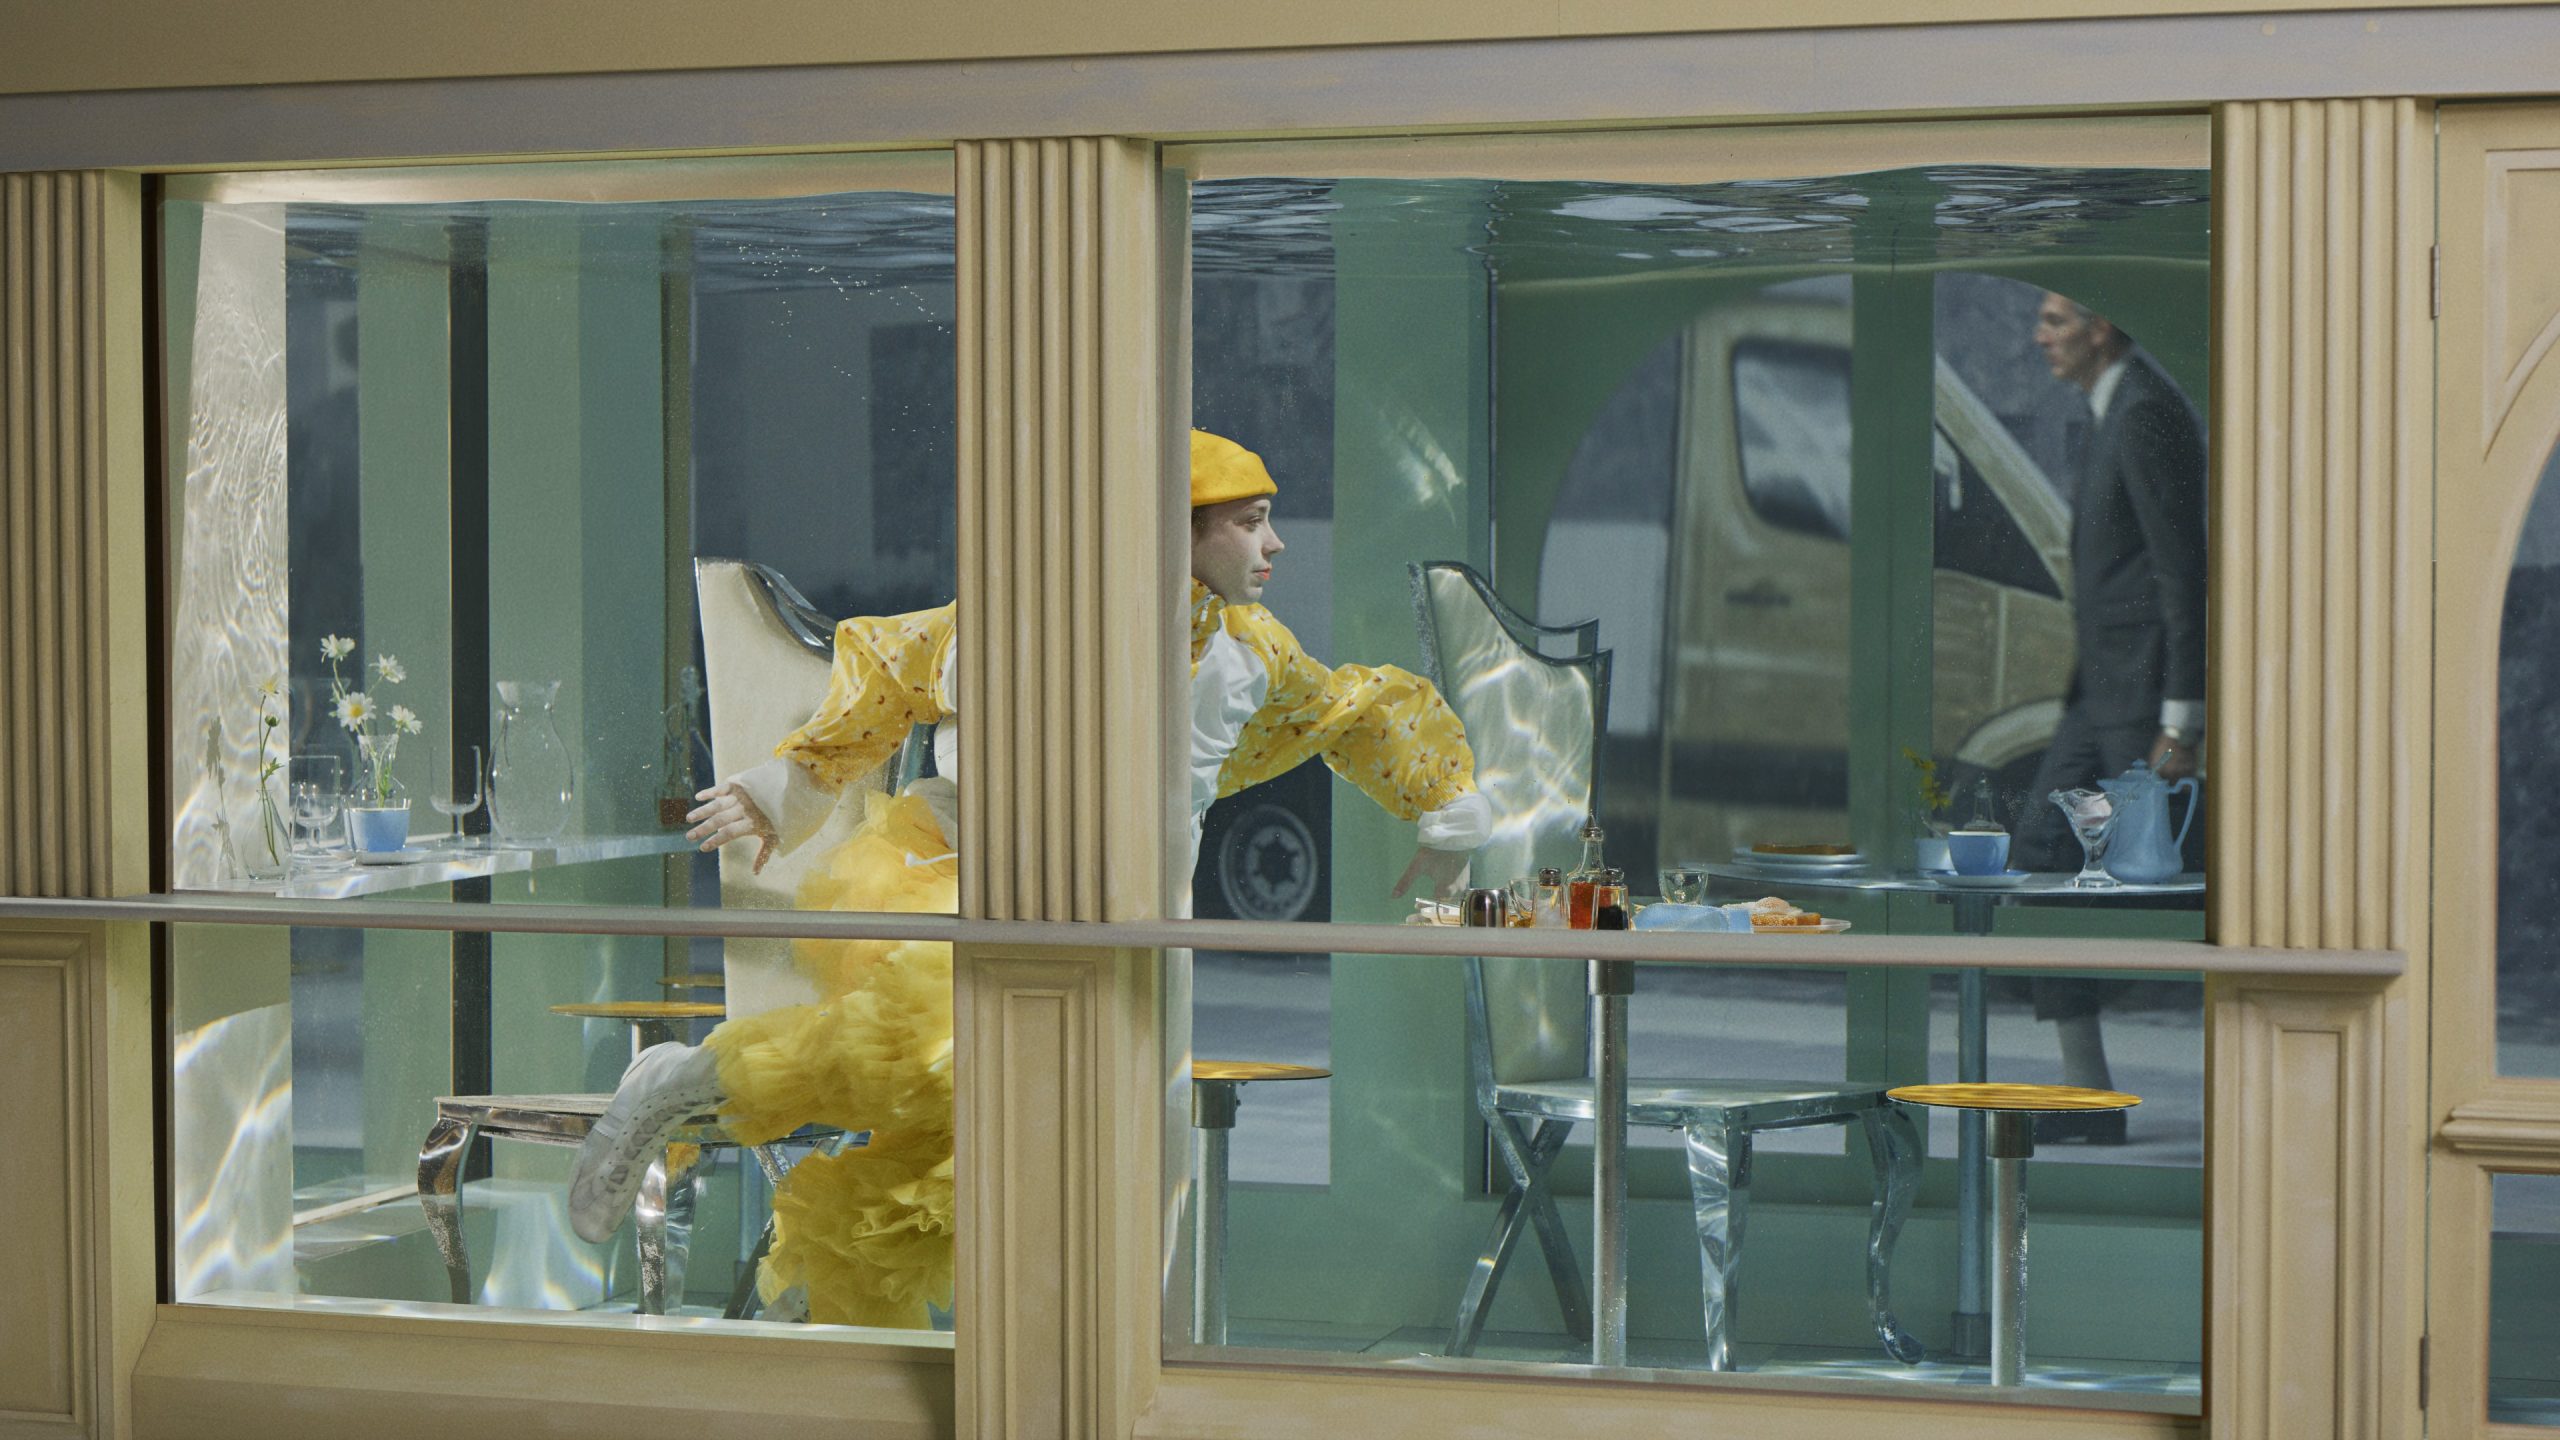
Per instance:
(694,982)
(1994,1095)
(645,1009)
(2042,886)
(1255,1070)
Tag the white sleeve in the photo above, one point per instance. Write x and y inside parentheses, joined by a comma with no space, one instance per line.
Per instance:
(788,798)
(1463,824)
(2182,715)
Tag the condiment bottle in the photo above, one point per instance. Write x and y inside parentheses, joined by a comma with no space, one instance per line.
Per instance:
(1585,878)
(1549,910)
(1609,901)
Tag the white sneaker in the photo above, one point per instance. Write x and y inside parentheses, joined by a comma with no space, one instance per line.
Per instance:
(665,1086)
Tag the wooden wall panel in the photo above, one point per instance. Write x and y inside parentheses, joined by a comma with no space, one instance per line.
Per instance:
(1058,1192)
(76,1183)
(2319,753)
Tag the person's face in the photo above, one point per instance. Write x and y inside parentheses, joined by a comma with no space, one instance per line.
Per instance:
(2076,345)
(1232,543)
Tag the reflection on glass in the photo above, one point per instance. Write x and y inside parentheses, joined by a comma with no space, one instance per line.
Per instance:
(2528,775)
(2524,1319)
(1709,508)
(484,437)
(343,1135)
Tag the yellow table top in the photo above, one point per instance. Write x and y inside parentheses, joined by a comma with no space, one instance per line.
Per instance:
(645,1010)
(1996,1096)
(1253,1070)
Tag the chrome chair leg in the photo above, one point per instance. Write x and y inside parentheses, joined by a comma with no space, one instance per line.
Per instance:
(1719,1193)
(742,1295)
(440,1161)
(1525,1159)
(1893,1146)
(663,1220)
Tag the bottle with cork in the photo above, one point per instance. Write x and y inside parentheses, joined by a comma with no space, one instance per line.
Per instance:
(1582,885)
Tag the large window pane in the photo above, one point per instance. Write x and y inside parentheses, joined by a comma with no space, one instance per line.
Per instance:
(461,457)
(1439,1070)
(389,1120)
(1783,520)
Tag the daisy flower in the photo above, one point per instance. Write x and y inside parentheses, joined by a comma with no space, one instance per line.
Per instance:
(336,647)
(271,688)
(354,709)
(390,668)
(405,720)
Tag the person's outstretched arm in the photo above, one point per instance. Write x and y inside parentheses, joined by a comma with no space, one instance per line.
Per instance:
(1384,729)
(891,673)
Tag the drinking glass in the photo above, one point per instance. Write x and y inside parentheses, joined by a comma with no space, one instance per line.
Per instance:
(453,790)
(316,786)
(1682,884)
(2093,820)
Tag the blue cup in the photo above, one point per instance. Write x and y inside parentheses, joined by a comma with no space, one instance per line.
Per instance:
(1979,852)
(380,830)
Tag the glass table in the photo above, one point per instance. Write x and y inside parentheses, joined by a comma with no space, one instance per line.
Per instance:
(1976,908)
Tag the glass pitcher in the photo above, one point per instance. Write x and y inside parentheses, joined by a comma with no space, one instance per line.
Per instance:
(532,781)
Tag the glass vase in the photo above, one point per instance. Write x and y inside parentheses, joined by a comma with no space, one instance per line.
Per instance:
(532,779)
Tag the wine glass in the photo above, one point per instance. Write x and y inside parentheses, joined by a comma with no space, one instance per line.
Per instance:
(1682,884)
(454,791)
(316,787)
(2092,814)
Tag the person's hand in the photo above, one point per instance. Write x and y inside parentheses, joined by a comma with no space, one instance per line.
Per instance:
(727,814)
(1439,870)
(2173,760)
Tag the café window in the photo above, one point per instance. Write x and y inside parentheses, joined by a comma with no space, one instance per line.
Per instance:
(1550,453)
(512,509)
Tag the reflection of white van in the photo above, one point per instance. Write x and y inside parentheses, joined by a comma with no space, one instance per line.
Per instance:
(1750,696)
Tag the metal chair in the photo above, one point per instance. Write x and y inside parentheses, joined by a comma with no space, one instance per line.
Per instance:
(1535,720)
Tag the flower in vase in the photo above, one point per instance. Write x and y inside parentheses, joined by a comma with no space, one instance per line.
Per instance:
(405,720)
(336,647)
(355,710)
(390,668)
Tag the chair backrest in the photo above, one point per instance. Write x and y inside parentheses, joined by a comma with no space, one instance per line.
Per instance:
(766,655)
(1534,720)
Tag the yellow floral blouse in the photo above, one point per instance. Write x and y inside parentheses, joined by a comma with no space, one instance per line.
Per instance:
(1381,728)
(891,673)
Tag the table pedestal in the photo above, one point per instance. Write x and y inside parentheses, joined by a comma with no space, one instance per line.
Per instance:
(1612,981)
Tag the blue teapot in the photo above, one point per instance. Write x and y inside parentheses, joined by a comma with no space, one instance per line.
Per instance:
(2142,850)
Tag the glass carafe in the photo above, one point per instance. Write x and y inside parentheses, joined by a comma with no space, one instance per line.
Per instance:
(532,781)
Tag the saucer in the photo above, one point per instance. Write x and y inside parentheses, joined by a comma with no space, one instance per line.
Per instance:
(388,857)
(2001,881)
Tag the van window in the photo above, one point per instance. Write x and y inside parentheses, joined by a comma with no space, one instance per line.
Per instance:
(1791,422)
(1976,534)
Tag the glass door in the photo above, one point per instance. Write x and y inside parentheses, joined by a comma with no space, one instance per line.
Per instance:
(2494,1261)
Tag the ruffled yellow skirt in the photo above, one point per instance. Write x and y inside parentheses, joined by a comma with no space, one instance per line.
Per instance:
(867,1231)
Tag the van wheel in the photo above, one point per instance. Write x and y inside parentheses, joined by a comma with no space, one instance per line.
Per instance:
(1267,865)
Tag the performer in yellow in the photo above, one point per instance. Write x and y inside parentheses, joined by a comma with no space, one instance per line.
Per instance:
(865,1232)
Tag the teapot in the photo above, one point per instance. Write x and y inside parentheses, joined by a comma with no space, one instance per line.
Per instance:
(2142,850)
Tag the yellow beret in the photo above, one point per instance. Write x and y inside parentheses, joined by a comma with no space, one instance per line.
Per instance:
(1221,469)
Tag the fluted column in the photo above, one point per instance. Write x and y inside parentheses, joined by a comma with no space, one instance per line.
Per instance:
(2322,505)
(1068,603)
(74,764)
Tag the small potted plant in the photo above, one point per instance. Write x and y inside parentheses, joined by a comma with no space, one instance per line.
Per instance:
(1929,850)
(378,809)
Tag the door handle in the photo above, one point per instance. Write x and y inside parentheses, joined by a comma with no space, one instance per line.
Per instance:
(1760,595)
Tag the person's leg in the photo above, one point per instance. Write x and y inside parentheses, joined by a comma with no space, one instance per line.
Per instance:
(2040,837)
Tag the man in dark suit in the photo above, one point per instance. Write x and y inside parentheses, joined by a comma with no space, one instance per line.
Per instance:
(2137,599)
